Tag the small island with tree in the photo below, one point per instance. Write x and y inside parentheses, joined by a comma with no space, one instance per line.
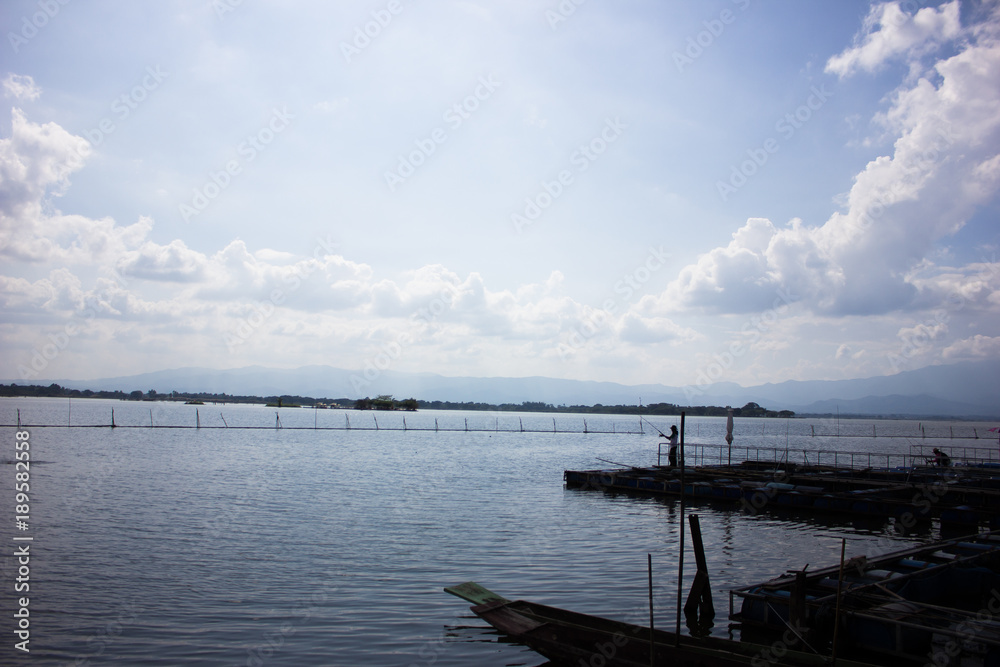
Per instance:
(386,402)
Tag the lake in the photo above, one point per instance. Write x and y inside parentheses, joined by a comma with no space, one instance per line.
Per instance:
(315,544)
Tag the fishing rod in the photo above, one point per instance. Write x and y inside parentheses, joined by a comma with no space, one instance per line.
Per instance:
(654,426)
(624,465)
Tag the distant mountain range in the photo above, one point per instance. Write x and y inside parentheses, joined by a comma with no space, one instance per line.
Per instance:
(958,390)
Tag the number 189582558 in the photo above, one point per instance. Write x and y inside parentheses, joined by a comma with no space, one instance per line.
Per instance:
(22,477)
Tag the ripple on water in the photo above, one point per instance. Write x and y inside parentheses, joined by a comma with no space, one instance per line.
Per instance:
(311,547)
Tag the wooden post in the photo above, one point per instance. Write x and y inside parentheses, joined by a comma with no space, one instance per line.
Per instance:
(652,640)
(680,557)
(797,607)
(699,601)
(840,585)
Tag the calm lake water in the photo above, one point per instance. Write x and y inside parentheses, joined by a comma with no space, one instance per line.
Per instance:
(303,546)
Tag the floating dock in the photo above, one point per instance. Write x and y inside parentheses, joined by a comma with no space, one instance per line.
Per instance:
(934,604)
(966,494)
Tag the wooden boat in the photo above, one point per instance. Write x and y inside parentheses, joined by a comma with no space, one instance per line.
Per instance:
(571,638)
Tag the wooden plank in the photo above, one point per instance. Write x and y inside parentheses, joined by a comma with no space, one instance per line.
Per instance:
(505,619)
(475,593)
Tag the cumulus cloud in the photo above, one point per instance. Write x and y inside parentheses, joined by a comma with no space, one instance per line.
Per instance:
(890,32)
(173,262)
(641,330)
(21,87)
(864,260)
(35,164)
(976,347)
(173,287)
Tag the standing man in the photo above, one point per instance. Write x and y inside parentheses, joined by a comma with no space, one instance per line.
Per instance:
(672,453)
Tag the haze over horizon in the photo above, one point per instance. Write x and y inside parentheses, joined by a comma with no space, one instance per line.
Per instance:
(728,191)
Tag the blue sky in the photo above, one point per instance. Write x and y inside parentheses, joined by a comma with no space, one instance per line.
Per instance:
(632,191)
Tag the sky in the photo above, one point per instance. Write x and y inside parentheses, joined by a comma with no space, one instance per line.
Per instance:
(637,191)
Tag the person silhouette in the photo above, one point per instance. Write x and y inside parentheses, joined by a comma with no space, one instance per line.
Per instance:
(672,453)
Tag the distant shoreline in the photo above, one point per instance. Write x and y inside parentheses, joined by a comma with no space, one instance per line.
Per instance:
(388,403)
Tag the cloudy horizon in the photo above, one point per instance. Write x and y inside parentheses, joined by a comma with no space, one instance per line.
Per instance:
(629,192)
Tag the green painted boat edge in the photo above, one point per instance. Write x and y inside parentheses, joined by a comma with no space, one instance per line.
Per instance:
(474,593)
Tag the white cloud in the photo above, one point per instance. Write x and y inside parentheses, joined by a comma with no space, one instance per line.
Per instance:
(641,330)
(976,347)
(172,262)
(35,164)
(889,32)
(862,260)
(21,88)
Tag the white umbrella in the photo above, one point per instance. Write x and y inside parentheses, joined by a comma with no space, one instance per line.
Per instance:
(729,433)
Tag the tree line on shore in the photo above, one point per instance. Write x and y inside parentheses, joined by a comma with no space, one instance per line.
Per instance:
(387,402)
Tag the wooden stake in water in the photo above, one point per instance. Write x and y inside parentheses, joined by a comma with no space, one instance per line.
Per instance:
(840,585)
(680,556)
(652,641)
